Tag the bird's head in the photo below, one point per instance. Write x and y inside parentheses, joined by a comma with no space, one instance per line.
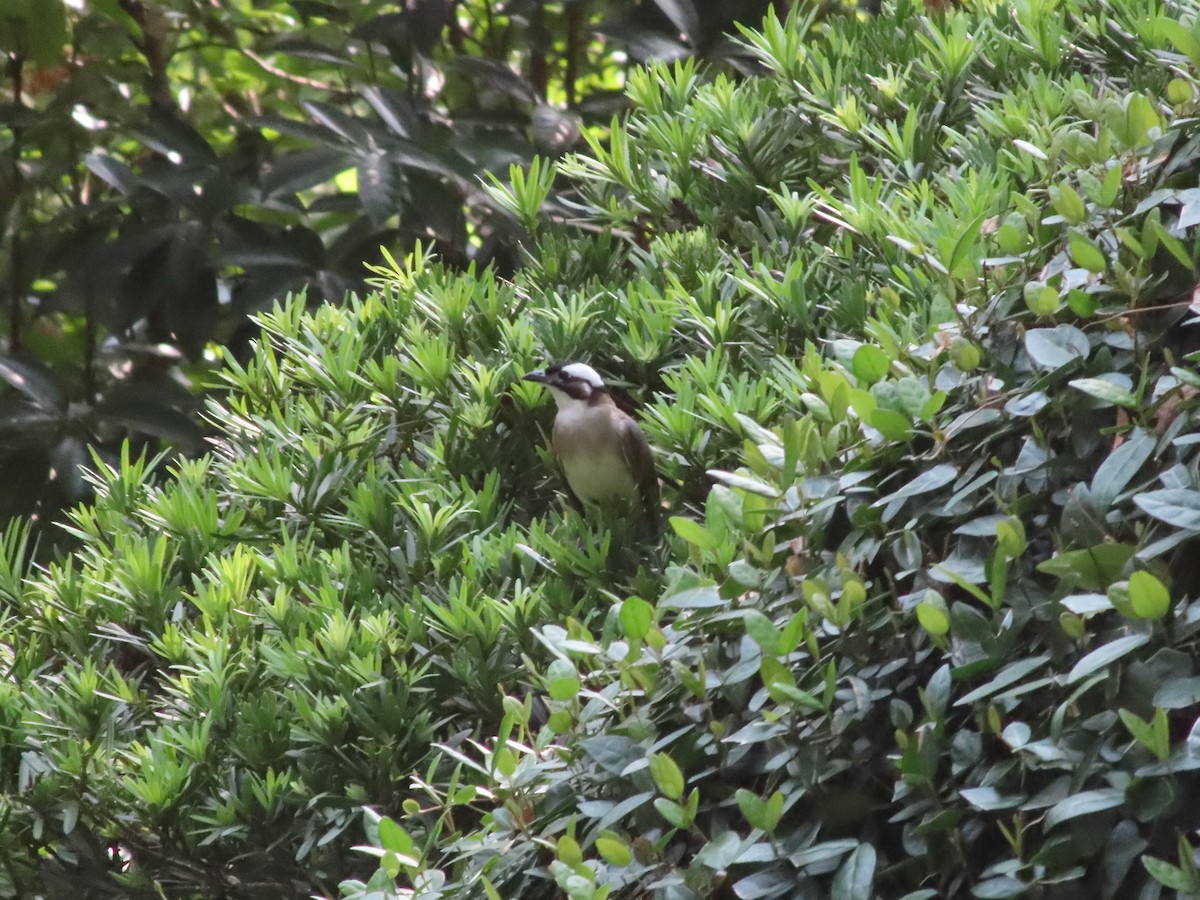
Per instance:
(569,381)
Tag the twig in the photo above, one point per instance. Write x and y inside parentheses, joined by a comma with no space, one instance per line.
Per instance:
(287,76)
(1139,309)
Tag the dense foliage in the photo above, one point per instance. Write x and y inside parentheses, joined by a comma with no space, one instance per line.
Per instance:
(167,169)
(909,321)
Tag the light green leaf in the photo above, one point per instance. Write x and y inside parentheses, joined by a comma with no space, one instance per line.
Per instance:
(933,615)
(1086,253)
(1067,203)
(1106,392)
(667,775)
(636,617)
(870,363)
(613,849)
(562,680)
(693,532)
(762,631)
(1148,597)
(1153,735)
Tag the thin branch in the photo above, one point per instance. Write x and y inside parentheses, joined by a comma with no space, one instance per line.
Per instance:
(287,76)
(1133,311)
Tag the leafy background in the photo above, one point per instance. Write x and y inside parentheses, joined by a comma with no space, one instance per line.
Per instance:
(171,168)
(908,320)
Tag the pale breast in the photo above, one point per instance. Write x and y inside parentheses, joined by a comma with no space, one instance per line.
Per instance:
(590,452)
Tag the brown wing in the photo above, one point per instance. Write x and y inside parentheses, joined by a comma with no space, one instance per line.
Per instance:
(640,459)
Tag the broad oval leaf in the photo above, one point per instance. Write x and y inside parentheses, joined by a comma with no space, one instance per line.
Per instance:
(870,363)
(1178,693)
(694,598)
(999,888)
(1085,252)
(1053,348)
(636,617)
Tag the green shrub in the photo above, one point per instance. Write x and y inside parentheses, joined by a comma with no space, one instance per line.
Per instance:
(907,318)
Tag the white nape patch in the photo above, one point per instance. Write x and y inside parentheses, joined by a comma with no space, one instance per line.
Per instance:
(584,372)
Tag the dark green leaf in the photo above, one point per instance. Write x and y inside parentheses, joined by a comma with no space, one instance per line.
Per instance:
(1120,466)
(34,381)
(1105,655)
(855,880)
(1010,674)
(1083,804)
(1175,506)
(1053,348)
(112,171)
(1094,568)
(682,15)
(147,417)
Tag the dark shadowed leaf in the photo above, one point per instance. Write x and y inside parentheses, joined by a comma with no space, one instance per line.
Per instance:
(1084,804)
(34,381)
(683,16)
(613,753)
(304,169)
(377,186)
(157,419)
(393,108)
(113,172)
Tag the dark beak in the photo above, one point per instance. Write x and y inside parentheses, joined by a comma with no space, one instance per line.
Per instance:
(539,375)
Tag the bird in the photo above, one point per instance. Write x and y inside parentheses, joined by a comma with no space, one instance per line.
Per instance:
(603,452)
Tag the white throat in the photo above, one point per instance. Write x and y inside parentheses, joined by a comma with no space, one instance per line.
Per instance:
(566,403)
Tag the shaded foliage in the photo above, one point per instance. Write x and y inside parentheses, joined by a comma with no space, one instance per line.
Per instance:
(169,169)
